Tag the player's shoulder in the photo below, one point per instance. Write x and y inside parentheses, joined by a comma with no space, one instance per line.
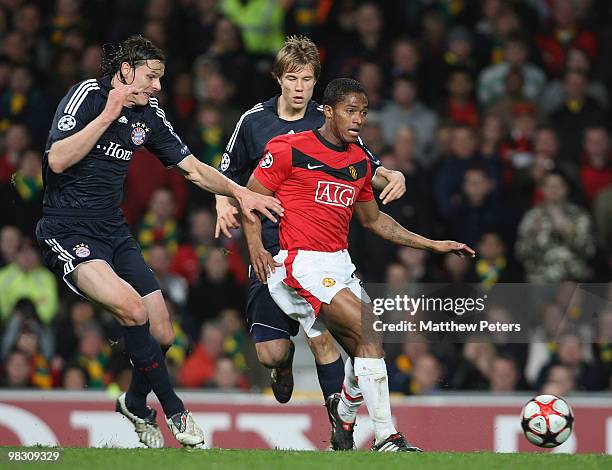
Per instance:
(253,115)
(78,93)
(291,139)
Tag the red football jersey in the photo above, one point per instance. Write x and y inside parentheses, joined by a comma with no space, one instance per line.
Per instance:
(317,184)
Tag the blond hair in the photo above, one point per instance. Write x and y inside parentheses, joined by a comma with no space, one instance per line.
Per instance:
(296,53)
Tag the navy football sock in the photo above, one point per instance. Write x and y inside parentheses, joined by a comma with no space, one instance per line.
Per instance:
(331,377)
(147,357)
(136,396)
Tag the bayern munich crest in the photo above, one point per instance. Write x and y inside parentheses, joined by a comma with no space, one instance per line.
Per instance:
(82,250)
(139,133)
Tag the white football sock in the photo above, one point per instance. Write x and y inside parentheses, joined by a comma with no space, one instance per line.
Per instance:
(374,385)
(350,397)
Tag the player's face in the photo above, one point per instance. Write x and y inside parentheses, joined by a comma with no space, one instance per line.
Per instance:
(297,87)
(147,79)
(348,117)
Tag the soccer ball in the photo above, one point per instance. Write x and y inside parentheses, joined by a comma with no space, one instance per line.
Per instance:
(547,421)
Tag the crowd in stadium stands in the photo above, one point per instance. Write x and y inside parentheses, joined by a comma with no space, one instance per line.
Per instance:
(497,112)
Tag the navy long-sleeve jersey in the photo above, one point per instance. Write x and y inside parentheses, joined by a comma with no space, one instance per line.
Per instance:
(95,183)
(245,148)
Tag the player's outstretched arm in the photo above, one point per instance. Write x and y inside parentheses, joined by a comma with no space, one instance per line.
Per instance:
(261,260)
(391,183)
(69,151)
(386,227)
(209,179)
(227,216)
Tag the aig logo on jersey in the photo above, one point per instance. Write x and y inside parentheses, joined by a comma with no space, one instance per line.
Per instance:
(267,160)
(335,194)
(139,133)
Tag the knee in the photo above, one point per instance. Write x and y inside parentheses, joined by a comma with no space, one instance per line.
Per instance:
(133,312)
(323,348)
(272,354)
(370,350)
(164,334)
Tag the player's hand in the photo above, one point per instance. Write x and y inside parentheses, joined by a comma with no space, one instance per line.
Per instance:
(263,263)
(253,202)
(117,98)
(395,187)
(449,246)
(226,217)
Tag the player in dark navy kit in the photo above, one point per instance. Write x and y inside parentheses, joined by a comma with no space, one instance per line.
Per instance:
(296,69)
(83,234)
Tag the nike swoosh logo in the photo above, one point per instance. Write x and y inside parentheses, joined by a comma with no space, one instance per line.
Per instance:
(314,167)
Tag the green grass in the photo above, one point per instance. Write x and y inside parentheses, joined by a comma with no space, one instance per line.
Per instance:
(178,459)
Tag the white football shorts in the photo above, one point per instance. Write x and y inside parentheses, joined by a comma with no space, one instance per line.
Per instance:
(309,279)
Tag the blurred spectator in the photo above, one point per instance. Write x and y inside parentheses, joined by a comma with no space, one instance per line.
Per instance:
(569,354)
(26,278)
(191,257)
(553,95)
(217,92)
(24,103)
(555,240)
(406,110)
(370,75)
(215,290)
(67,15)
(17,371)
(559,381)
(460,107)
(513,102)
(477,211)
(491,82)
(175,356)
(227,377)
(159,225)
(564,32)
(74,377)
(474,369)
(69,327)
(139,190)
(492,134)
(21,201)
(10,240)
(504,376)
(596,166)
(578,112)
(16,142)
(406,59)
(450,174)
(428,373)
(93,355)
(493,265)
(261,23)
(602,209)
(90,62)
(172,286)
(200,366)
(401,367)
(24,318)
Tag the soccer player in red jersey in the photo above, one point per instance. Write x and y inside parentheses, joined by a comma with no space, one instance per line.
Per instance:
(321,177)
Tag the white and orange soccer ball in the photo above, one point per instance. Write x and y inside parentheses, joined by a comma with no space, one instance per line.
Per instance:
(547,421)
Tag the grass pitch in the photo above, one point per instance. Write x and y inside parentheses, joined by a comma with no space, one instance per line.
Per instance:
(179,459)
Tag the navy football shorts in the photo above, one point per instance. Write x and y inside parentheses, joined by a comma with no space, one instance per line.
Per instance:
(67,242)
(265,319)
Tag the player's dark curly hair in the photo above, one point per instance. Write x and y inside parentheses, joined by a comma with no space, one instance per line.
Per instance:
(135,50)
(339,88)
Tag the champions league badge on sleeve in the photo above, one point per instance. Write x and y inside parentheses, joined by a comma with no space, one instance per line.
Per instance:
(139,133)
